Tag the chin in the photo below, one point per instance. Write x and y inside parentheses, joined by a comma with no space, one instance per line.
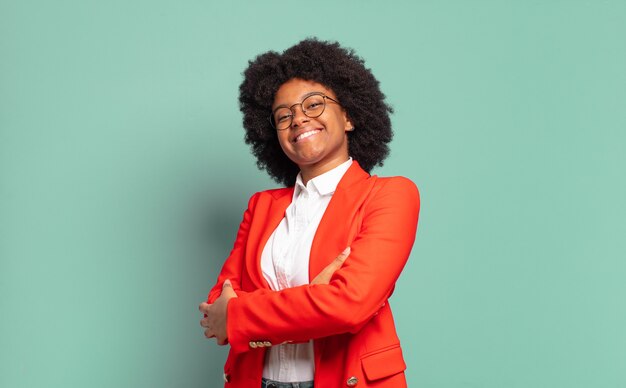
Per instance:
(308,159)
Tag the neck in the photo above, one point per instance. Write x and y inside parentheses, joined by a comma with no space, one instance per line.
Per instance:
(311,171)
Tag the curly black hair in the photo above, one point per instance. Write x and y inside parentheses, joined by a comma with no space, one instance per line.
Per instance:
(333,66)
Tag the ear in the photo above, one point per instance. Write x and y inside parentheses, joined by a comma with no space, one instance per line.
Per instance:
(348,125)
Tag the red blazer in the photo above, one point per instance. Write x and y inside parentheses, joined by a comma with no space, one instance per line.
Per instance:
(349,319)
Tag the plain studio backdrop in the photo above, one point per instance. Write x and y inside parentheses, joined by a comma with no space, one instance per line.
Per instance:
(124,175)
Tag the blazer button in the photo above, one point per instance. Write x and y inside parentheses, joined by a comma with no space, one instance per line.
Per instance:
(252,344)
(352,381)
(267,343)
(260,344)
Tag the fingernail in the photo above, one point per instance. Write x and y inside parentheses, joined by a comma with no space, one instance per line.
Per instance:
(346,251)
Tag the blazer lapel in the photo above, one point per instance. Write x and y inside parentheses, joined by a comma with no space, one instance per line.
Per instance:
(276,206)
(334,232)
(336,228)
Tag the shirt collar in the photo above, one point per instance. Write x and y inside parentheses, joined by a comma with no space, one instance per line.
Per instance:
(324,184)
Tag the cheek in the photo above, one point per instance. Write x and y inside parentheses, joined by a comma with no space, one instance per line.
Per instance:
(336,122)
(283,141)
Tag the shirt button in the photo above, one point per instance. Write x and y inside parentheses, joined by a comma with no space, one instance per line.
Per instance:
(252,344)
(352,381)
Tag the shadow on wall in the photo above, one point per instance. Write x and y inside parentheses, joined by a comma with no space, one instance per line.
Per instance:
(221,220)
(218,224)
(230,182)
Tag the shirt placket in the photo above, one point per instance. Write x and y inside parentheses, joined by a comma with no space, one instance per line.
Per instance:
(296,227)
(297,221)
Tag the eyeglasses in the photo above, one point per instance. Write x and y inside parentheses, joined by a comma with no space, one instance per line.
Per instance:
(312,106)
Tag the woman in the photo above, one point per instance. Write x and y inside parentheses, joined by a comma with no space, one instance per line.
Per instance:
(294,312)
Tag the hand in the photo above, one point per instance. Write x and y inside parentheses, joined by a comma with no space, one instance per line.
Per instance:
(324,276)
(216,315)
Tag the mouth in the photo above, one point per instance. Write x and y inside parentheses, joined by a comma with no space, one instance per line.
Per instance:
(305,135)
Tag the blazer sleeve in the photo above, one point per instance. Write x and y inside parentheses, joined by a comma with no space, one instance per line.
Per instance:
(356,291)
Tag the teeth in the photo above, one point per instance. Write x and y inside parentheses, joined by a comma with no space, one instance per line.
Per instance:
(306,134)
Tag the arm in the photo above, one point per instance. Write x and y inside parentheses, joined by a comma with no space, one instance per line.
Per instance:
(215,308)
(215,314)
(355,292)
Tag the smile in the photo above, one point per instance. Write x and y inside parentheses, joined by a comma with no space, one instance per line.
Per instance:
(306,134)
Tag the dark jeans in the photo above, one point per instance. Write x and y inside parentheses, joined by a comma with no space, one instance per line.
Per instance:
(265,383)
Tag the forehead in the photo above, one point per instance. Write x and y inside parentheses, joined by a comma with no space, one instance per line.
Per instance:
(292,91)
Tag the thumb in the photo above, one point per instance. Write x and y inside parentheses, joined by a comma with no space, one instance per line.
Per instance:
(227,290)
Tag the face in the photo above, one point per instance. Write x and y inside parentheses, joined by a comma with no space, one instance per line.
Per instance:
(319,143)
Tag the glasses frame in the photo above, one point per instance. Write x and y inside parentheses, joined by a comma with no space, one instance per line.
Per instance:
(293,112)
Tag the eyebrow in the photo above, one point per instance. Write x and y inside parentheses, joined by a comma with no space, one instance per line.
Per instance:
(301,99)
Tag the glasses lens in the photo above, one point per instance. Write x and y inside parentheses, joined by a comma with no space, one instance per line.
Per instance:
(282,118)
(313,106)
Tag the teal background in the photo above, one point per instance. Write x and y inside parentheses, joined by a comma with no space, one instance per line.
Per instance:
(123,177)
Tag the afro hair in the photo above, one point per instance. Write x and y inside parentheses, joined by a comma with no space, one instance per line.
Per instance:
(333,66)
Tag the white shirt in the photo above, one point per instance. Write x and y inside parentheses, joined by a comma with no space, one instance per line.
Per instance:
(285,264)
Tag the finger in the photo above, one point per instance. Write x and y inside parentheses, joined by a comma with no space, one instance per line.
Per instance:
(338,262)
(226,285)
(343,255)
(204,307)
(204,322)
(209,333)
(324,276)
(222,342)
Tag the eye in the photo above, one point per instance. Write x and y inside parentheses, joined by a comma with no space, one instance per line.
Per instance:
(283,118)
(282,115)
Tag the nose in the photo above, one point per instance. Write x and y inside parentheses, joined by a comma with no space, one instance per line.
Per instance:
(298,116)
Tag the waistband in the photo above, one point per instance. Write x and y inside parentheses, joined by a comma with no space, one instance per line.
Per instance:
(265,383)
